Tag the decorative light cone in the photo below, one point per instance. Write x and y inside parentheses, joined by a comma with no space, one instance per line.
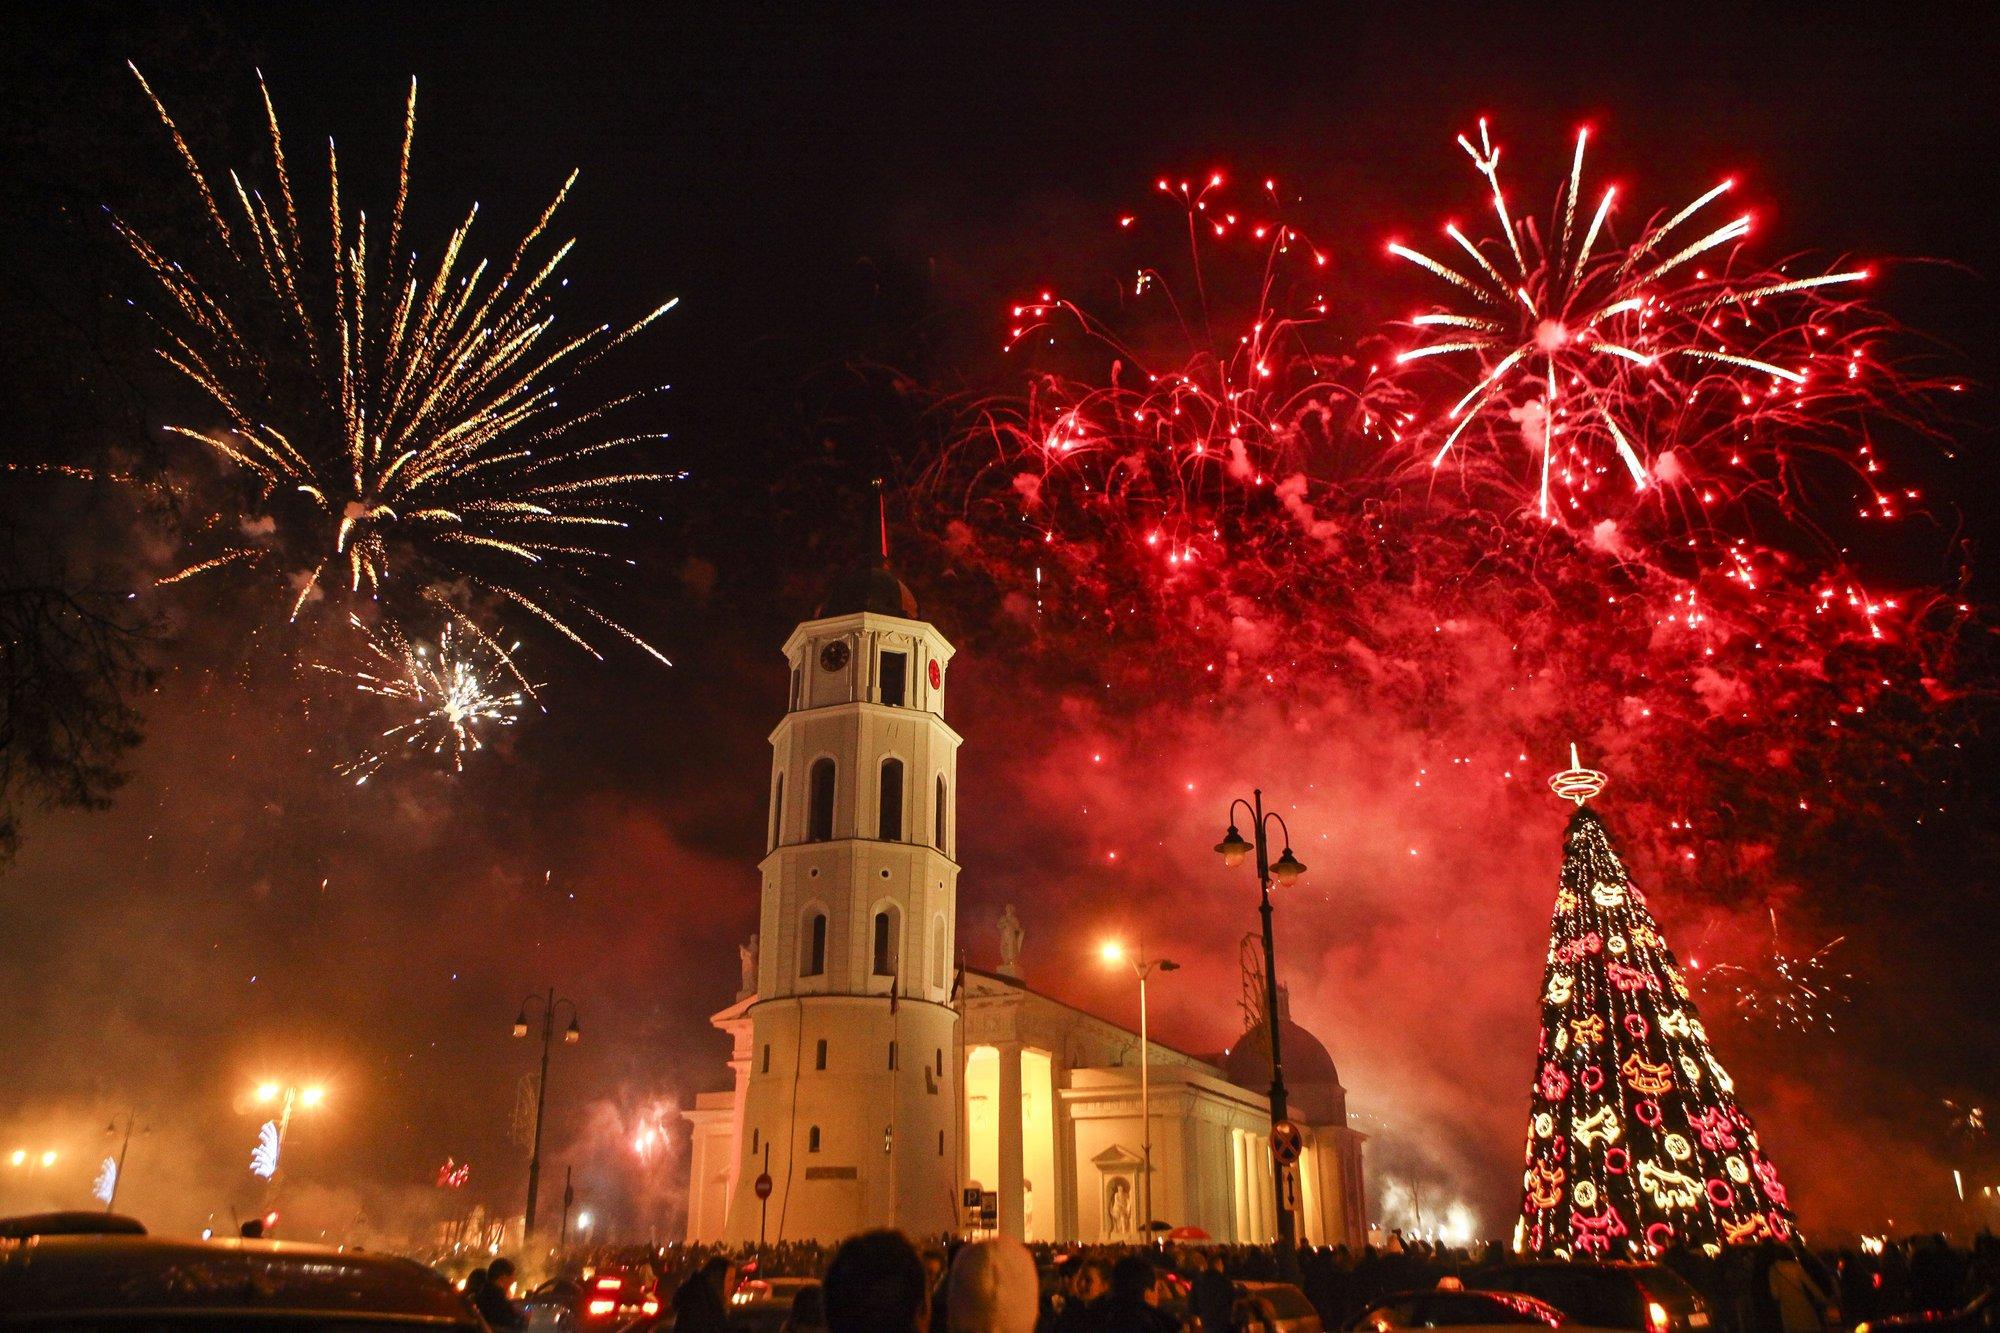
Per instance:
(1233,848)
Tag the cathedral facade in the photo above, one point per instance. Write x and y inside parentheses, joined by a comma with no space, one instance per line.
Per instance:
(877,1081)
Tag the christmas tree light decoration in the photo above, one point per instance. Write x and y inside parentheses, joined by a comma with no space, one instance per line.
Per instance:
(1634,1141)
(1577,783)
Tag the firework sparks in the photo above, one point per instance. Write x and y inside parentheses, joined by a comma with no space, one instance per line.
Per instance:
(1667,362)
(1202,493)
(406,428)
(1796,992)
(1965,1120)
(448,696)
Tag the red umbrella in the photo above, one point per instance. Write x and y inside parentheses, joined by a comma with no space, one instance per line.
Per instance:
(1188,1233)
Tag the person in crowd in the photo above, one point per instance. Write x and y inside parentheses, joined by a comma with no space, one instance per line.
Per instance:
(494,1301)
(808,1312)
(1087,1284)
(1213,1293)
(701,1303)
(875,1284)
(1131,1305)
(994,1288)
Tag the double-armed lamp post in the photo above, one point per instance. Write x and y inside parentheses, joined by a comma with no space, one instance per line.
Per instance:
(1284,870)
(571,1035)
(1143,967)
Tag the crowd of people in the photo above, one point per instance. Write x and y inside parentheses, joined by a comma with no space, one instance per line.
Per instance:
(880,1280)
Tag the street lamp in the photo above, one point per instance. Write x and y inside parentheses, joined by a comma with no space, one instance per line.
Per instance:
(571,1035)
(290,1097)
(1284,870)
(1142,967)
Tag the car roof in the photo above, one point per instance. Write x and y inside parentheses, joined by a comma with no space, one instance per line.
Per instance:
(77,1275)
(74,1223)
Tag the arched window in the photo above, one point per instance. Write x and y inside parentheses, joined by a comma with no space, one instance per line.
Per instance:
(889,826)
(796,701)
(937,953)
(940,816)
(777,810)
(812,946)
(820,827)
(812,1139)
(885,942)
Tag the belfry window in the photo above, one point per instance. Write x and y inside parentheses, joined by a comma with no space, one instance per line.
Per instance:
(889,824)
(940,816)
(885,943)
(895,683)
(820,827)
(812,947)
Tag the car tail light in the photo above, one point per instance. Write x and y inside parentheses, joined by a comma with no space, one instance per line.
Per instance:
(649,1306)
(602,1306)
(1656,1318)
(610,1283)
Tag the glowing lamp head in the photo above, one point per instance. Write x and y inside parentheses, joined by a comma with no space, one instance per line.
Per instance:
(18,1156)
(521,1024)
(1112,952)
(572,1034)
(268,1091)
(49,1158)
(1233,848)
(312,1095)
(1287,868)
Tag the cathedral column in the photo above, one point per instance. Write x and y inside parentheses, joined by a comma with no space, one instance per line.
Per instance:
(1239,1172)
(1013,1197)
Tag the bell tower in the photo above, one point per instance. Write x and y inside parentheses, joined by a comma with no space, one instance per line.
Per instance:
(851,1097)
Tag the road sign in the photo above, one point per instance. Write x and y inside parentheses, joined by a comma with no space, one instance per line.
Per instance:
(1289,1195)
(1287,1141)
(972,1197)
(763,1185)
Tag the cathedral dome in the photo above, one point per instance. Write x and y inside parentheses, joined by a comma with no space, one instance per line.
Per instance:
(871,588)
(1312,1084)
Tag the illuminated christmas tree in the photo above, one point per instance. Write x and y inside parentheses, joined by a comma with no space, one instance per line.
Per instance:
(1635,1142)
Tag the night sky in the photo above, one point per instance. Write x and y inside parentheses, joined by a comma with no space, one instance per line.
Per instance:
(845,188)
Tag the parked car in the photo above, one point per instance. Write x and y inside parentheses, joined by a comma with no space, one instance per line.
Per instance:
(764,1303)
(601,1299)
(1450,1306)
(1276,1306)
(1648,1298)
(1983,1313)
(112,1280)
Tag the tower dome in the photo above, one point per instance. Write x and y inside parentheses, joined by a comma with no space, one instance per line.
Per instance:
(871,588)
